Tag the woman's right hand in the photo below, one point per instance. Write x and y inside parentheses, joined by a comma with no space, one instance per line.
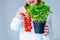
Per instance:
(20,11)
(19,16)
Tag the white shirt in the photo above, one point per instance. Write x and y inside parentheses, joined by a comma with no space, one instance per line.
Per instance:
(17,25)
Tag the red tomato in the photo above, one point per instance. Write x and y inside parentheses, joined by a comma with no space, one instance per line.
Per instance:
(30,27)
(25,25)
(25,18)
(29,24)
(29,20)
(23,14)
(26,30)
(29,30)
(25,22)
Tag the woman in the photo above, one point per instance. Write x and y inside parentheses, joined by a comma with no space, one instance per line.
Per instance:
(17,24)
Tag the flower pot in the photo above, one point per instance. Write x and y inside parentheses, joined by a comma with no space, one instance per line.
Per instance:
(39,27)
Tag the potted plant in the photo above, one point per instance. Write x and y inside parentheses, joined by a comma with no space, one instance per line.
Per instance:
(39,15)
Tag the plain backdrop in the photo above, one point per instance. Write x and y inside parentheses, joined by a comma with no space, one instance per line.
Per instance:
(8,10)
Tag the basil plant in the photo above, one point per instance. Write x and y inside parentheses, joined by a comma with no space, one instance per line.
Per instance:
(39,13)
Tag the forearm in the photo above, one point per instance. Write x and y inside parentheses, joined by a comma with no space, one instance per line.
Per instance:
(16,23)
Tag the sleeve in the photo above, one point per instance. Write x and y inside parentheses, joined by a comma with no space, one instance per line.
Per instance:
(49,23)
(16,23)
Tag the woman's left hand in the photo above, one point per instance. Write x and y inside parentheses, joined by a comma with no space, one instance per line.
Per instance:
(46,30)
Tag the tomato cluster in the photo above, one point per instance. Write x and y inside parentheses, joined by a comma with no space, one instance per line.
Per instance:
(27,22)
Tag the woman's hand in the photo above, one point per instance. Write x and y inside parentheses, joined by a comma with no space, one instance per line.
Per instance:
(46,30)
(19,16)
(20,11)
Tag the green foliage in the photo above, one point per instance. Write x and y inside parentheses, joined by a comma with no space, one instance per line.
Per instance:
(39,13)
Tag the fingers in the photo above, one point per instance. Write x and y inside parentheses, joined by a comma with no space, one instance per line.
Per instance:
(46,30)
(45,34)
(46,25)
(19,16)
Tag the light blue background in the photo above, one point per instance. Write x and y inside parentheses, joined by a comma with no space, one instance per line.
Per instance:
(8,9)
